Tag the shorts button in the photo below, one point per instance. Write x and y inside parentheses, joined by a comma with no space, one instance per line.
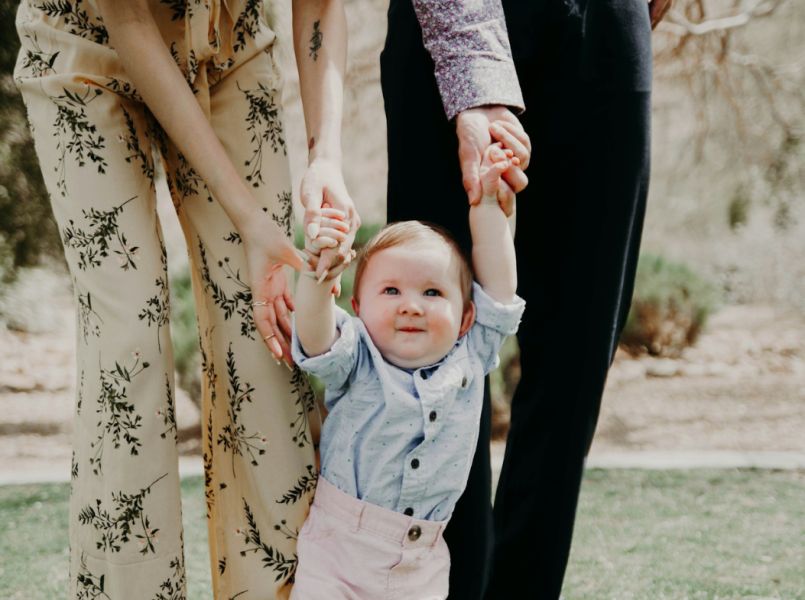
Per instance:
(415,463)
(414,533)
(409,512)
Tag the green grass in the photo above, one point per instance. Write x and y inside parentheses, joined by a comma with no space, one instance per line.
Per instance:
(653,535)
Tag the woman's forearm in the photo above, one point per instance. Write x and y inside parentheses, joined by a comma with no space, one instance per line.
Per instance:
(320,42)
(147,61)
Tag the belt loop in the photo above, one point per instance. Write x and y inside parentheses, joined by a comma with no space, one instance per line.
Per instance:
(438,534)
(359,518)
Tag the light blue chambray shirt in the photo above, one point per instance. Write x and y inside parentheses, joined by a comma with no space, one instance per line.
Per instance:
(404,439)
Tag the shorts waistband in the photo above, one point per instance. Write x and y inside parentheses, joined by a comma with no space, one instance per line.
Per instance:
(362,515)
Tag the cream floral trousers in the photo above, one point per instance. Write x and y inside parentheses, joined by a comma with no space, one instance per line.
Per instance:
(94,138)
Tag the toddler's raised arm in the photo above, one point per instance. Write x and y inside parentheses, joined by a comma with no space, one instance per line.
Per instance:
(314,317)
(493,257)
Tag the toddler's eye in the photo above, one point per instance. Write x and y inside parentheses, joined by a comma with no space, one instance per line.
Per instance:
(391,291)
(433,292)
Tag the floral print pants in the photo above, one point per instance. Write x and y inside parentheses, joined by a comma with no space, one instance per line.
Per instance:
(94,139)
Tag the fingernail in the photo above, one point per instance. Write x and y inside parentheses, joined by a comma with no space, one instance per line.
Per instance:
(312,229)
(323,275)
(289,367)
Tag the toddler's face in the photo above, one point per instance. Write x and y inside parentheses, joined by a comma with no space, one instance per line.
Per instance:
(410,301)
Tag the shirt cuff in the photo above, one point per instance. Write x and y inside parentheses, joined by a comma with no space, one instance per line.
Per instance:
(484,81)
(504,318)
(333,366)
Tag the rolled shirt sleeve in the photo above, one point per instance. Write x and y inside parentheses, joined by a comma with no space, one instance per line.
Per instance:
(334,366)
(469,44)
(494,322)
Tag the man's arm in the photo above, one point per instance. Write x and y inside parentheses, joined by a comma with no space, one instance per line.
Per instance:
(477,81)
(469,45)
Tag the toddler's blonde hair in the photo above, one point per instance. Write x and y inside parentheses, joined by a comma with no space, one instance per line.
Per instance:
(403,232)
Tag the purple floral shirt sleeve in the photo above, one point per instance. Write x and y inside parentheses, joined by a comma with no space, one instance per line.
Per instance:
(469,44)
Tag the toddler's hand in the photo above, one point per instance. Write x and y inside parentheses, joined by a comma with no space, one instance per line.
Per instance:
(331,231)
(494,163)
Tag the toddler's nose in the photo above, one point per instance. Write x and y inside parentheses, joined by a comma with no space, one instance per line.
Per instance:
(410,307)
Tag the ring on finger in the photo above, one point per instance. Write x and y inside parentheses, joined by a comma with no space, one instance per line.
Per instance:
(260,303)
(268,337)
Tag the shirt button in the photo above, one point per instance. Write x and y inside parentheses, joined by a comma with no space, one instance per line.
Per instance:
(415,463)
(414,533)
(432,416)
(409,512)
(463,382)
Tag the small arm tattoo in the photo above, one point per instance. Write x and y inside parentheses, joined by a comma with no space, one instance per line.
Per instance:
(315,40)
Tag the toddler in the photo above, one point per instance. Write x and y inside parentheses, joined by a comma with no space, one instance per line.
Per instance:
(404,386)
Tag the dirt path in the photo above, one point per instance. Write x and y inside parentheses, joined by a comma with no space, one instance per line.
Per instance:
(742,388)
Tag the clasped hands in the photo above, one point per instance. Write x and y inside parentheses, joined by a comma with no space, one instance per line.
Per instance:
(331,221)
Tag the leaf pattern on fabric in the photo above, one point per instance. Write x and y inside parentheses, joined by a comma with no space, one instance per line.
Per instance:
(75,135)
(118,418)
(167,413)
(305,485)
(233,436)
(36,60)
(206,457)
(78,20)
(247,25)
(305,404)
(125,519)
(173,588)
(237,303)
(88,585)
(284,218)
(135,150)
(89,321)
(264,123)
(284,567)
(157,308)
(93,243)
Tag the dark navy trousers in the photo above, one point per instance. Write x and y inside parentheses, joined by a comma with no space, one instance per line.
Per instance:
(585,72)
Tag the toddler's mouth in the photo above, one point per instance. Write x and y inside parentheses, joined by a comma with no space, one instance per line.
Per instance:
(410,329)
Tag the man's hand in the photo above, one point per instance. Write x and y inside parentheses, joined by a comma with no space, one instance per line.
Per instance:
(476,131)
(323,184)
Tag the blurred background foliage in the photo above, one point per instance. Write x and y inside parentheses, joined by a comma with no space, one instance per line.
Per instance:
(28,233)
(725,222)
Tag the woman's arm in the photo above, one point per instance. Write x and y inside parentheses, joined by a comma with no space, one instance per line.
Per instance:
(320,42)
(147,61)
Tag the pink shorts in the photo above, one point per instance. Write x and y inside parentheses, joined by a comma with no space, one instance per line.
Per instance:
(350,549)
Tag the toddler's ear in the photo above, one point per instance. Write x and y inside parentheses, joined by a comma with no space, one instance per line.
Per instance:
(355,305)
(467,319)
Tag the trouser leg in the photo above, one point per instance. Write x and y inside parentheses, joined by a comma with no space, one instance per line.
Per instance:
(414,113)
(257,416)
(584,210)
(125,515)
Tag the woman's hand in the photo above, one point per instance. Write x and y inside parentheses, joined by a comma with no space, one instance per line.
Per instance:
(323,184)
(267,251)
